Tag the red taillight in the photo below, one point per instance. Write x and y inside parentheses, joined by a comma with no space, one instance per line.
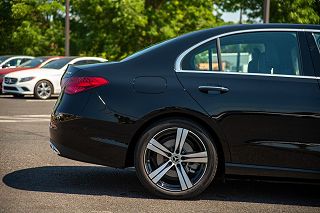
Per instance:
(79,84)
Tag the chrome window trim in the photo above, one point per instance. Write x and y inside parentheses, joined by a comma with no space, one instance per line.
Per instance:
(177,66)
(250,74)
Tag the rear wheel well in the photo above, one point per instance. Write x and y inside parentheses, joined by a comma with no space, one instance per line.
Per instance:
(203,124)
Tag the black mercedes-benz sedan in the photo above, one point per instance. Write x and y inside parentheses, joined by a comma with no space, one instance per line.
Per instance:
(232,100)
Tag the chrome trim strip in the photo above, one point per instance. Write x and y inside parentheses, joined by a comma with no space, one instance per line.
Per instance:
(252,74)
(177,65)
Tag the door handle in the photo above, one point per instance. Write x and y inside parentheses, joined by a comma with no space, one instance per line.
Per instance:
(207,89)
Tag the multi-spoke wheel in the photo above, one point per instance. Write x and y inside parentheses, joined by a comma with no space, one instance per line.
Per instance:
(176,159)
(43,89)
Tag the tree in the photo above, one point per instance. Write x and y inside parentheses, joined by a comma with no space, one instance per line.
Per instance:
(7,24)
(35,27)
(115,29)
(109,28)
(106,28)
(297,11)
(281,11)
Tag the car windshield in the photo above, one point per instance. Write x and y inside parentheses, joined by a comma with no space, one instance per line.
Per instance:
(57,64)
(32,63)
(3,58)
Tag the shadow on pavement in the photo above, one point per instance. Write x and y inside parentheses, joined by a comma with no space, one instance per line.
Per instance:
(96,180)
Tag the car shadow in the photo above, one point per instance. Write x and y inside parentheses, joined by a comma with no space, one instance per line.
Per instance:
(97,180)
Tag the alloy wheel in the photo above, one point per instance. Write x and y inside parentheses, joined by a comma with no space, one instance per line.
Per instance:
(175,159)
(43,90)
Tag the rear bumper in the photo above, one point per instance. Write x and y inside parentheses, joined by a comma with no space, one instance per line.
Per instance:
(84,140)
(75,155)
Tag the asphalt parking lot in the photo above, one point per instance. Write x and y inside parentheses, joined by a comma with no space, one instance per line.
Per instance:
(34,179)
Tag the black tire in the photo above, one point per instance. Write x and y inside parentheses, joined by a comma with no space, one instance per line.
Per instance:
(194,176)
(18,95)
(43,89)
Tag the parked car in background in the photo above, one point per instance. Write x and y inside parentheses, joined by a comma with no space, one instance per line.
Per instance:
(10,61)
(232,100)
(33,63)
(45,81)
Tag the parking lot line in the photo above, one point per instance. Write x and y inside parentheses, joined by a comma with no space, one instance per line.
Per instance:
(50,100)
(24,118)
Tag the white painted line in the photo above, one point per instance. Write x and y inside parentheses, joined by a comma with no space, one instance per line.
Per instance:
(50,100)
(24,118)
(24,121)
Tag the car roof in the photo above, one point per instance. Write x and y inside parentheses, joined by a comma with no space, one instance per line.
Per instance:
(210,32)
(173,47)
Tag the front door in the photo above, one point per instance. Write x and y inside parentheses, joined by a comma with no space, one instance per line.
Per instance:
(264,95)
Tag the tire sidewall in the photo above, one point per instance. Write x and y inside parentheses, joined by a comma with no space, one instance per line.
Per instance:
(207,176)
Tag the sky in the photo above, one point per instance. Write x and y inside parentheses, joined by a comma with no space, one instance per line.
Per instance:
(234,17)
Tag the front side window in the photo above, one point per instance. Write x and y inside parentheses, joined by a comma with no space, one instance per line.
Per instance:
(203,58)
(13,62)
(261,52)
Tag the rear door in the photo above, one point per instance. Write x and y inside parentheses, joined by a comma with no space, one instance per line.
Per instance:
(264,95)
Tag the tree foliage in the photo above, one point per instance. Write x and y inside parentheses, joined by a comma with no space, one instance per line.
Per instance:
(281,11)
(108,28)
(32,27)
(116,28)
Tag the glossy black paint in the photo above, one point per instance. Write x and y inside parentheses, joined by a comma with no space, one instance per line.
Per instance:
(264,125)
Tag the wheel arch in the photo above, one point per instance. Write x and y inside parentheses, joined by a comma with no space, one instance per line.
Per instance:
(202,120)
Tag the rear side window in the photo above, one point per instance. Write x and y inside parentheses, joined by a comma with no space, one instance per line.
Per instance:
(58,64)
(203,58)
(317,38)
(261,52)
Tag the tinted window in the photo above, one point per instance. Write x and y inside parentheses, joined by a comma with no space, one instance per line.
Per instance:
(25,60)
(261,52)
(82,62)
(3,58)
(32,63)
(14,62)
(203,58)
(93,61)
(317,38)
(58,64)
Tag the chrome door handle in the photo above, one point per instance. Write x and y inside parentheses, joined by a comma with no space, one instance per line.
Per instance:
(207,89)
